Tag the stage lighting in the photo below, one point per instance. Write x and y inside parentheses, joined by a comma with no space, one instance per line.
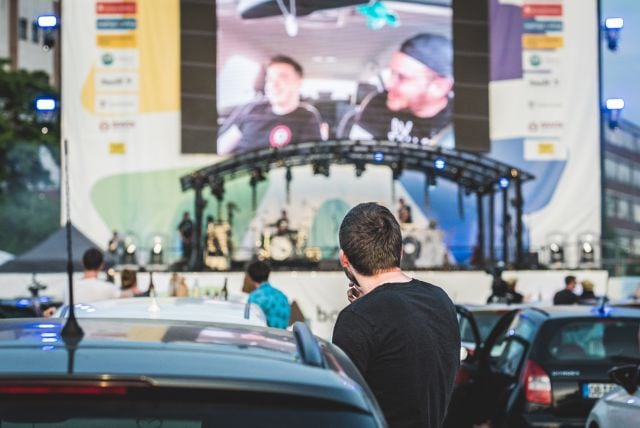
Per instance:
(556,244)
(439,164)
(378,157)
(613,109)
(320,168)
(157,251)
(587,245)
(45,104)
(129,256)
(503,182)
(47,22)
(612,28)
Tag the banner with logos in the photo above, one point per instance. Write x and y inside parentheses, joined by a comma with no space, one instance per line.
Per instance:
(122,120)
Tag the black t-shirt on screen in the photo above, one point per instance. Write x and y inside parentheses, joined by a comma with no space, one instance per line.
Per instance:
(262,128)
(400,126)
(405,340)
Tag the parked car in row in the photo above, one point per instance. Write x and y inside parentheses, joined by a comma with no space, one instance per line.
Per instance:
(137,372)
(172,308)
(620,407)
(543,366)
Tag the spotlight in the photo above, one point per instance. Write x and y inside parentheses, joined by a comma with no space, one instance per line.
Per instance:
(157,251)
(45,104)
(503,182)
(320,168)
(613,109)
(47,22)
(587,245)
(612,28)
(378,157)
(439,164)
(129,256)
(556,249)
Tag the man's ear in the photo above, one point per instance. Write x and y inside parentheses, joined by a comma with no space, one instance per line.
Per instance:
(344,260)
(440,87)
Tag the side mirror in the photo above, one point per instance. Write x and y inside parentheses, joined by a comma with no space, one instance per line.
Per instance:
(626,376)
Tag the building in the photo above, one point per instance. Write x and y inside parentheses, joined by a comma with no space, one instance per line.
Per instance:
(621,231)
(23,42)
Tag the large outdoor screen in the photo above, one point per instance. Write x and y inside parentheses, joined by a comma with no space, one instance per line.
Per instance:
(382,71)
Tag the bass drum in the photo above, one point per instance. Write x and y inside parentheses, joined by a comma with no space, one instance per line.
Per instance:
(281,248)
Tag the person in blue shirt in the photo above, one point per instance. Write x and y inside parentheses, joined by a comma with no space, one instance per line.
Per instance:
(273,302)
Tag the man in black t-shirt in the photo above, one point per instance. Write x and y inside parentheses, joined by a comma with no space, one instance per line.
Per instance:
(276,121)
(401,333)
(416,107)
(566,296)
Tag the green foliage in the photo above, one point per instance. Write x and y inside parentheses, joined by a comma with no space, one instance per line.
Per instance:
(19,122)
(27,213)
(26,218)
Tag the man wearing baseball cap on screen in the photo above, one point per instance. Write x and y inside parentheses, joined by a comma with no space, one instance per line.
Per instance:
(416,106)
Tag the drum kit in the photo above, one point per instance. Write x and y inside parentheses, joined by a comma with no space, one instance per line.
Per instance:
(279,243)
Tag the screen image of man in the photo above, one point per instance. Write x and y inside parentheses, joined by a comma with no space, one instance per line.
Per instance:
(416,106)
(276,121)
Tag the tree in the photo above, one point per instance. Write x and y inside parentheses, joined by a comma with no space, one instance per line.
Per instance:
(21,125)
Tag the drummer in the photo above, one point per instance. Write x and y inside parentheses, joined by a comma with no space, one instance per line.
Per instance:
(282,224)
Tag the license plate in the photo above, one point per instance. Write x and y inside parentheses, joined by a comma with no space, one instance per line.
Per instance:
(596,390)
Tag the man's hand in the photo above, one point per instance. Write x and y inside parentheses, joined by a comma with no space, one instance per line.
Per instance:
(354,292)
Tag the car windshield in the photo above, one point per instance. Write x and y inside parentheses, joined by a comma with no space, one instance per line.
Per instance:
(594,339)
(485,322)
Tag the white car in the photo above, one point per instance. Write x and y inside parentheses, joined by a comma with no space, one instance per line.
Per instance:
(621,406)
(172,308)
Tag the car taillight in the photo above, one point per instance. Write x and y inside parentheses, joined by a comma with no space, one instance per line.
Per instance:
(62,390)
(537,384)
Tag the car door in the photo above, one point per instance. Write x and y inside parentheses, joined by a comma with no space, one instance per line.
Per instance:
(497,365)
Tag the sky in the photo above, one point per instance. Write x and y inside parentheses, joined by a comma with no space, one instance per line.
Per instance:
(621,69)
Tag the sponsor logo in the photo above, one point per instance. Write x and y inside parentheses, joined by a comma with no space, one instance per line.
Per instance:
(115,8)
(542,41)
(117,104)
(280,136)
(116,125)
(116,40)
(545,126)
(544,104)
(543,82)
(533,10)
(107,59)
(535,60)
(116,81)
(116,24)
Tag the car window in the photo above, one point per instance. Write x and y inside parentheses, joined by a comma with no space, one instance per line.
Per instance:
(595,339)
(508,362)
(485,322)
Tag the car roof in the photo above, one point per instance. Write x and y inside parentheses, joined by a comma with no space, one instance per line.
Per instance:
(172,308)
(171,354)
(581,311)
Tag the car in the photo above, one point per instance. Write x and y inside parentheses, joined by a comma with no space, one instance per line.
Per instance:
(476,322)
(621,406)
(172,308)
(544,366)
(140,372)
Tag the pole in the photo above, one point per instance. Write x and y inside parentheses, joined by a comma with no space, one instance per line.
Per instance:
(492,227)
(505,225)
(519,226)
(480,230)
(200,204)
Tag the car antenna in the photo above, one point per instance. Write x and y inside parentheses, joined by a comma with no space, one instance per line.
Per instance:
(71,332)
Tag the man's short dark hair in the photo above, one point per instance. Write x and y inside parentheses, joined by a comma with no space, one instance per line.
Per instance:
(258,271)
(569,279)
(92,259)
(370,238)
(283,59)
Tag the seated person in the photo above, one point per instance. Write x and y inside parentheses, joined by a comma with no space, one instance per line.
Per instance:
(416,106)
(278,120)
